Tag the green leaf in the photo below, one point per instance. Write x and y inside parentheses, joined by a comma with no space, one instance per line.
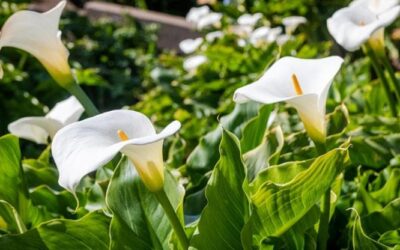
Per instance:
(254,131)
(391,238)
(360,240)
(277,207)
(205,155)
(265,154)
(384,220)
(13,188)
(90,232)
(11,217)
(224,216)
(139,221)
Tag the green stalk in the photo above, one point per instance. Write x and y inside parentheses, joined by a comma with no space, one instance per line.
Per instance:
(323,234)
(389,68)
(173,218)
(78,92)
(381,76)
(323,230)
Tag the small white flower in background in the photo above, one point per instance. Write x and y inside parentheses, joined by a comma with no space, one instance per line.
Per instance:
(39,129)
(284,38)
(249,20)
(291,23)
(376,6)
(195,13)
(188,46)
(303,83)
(38,34)
(214,35)
(85,146)
(192,63)
(241,30)
(242,42)
(265,35)
(353,26)
(259,35)
(210,20)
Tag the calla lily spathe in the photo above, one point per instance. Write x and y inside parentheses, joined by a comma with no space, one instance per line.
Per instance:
(353,26)
(38,34)
(303,83)
(376,6)
(249,20)
(211,19)
(212,36)
(39,129)
(195,13)
(292,22)
(85,146)
(192,63)
(190,45)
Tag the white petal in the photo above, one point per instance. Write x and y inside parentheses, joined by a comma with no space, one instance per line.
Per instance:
(282,39)
(195,14)
(67,111)
(376,6)
(84,146)
(352,26)
(193,62)
(37,129)
(242,30)
(259,35)
(1,72)
(190,45)
(209,20)
(291,23)
(249,20)
(212,36)
(37,33)
(315,77)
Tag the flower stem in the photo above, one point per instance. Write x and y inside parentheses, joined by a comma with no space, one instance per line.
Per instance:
(389,68)
(323,233)
(78,92)
(381,76)
(173,218)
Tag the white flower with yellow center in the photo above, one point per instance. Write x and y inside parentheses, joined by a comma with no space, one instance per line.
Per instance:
(303,83)
(352,26)
(85,146)
(38,34)
(39,129)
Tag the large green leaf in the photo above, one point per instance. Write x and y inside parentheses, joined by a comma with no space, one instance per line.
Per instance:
(139,221)
(10,216)
(90,232)
(205,155)
(277,207)
(255,129)
(224,216)
(362,241)
(383,220)
(13,188)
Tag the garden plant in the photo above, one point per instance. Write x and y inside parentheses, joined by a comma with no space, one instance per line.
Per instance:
(276,128)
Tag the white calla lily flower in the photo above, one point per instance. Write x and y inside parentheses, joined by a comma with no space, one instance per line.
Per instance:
(249,20)
(303,83)
(376,6)
(292,22)
(212,36)
(38,34)
(284,38)
(195,13)
(211,19)
(85,146)
(192,63)
(242,30)
(39,129)
(190,45)
(353,26)
(259,35)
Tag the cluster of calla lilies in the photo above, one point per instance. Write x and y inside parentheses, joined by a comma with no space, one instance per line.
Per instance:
(248,29)
(81,147)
